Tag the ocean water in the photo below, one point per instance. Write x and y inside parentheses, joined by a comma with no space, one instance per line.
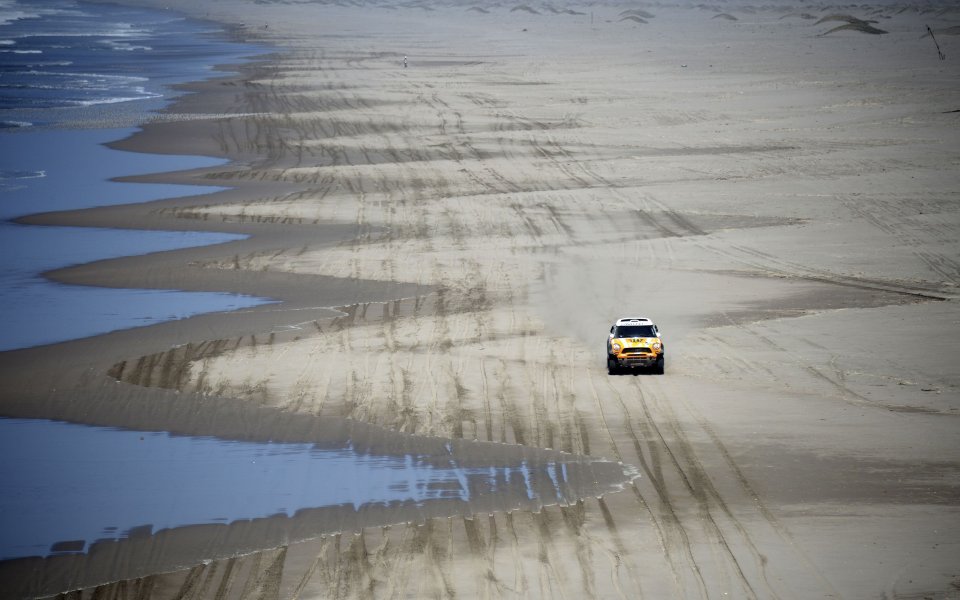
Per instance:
(79,484)
(64,61)
(74,76)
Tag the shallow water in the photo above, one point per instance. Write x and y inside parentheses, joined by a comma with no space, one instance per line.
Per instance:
(64,169)
(63,66)
(65,486)
(36,311)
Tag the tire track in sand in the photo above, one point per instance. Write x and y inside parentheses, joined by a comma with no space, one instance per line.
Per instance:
(659,526)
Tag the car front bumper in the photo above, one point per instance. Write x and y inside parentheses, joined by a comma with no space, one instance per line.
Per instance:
(637,360)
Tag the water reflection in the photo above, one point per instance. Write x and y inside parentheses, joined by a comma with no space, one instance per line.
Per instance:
(65,486)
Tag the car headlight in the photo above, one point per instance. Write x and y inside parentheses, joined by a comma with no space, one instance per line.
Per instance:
(616,347)
(656,345)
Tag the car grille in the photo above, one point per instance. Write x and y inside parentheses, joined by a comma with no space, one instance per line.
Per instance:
(636,351)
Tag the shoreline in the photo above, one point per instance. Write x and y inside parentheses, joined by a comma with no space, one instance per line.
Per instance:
(83,379)
(73,164)
(184,269)
(783,212)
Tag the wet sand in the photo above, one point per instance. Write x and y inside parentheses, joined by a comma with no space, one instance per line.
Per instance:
(453,239)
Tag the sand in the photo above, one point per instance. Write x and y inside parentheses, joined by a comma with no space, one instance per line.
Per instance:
(453,239)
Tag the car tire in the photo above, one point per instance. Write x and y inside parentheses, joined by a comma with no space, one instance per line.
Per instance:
(612,366)
(658,368)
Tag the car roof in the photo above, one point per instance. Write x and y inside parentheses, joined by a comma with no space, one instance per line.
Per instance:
(634,321)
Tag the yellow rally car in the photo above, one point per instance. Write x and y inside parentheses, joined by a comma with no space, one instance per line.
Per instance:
(634,342)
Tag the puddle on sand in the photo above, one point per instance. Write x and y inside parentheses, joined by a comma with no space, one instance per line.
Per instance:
(65,486)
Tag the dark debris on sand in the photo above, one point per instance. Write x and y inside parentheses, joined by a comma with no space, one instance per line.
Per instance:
(853,24)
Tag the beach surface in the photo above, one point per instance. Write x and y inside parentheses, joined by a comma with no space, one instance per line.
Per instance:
(453,202)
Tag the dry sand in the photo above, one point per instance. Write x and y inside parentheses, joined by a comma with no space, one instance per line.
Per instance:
(784,205)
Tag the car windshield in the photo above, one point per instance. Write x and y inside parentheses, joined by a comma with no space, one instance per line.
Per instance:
(635,331)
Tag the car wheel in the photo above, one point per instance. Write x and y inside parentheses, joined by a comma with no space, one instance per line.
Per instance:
(658,368)
(612,366)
